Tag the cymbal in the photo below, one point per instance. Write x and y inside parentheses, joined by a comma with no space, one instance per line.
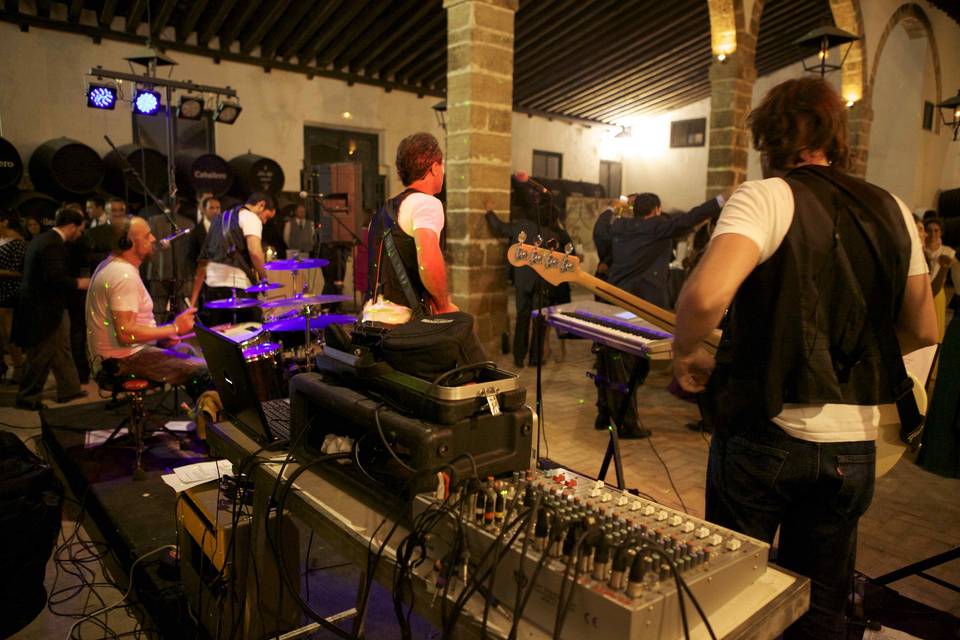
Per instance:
(261,287)
(317,323)
(302,301)
(233,303)
(296,265)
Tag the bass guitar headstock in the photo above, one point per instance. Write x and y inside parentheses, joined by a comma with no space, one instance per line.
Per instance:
(553,266)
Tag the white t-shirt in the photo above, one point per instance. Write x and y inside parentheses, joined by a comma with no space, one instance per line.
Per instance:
(762,210)
(420,211)
(224,275)
(115,286)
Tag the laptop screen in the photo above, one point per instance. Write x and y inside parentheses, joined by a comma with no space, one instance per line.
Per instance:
(232,378)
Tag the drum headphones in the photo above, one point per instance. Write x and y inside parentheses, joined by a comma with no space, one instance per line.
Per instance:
(123,240)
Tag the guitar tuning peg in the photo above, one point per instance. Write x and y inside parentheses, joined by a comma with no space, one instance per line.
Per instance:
(568,248)
(538,241)
(552,243)
(522,237)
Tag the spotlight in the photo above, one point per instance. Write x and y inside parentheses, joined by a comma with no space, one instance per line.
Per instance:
(227,112)
(101,95)
(190,107)
(146,102)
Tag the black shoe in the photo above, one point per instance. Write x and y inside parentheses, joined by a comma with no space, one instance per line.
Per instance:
(36,405)
(634,433)
(79,394)
(700,425)
(602,422)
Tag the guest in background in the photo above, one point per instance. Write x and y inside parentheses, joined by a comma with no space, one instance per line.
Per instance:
(96,212)
(13,249)
(41,322)
(298,232)
(99,240)
(209,209)
(933,249)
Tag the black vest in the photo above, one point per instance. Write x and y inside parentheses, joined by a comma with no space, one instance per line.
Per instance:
(799,329)
(381,271)
(226,243)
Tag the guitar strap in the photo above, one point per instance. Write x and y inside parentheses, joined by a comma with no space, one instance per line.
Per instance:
(911,420)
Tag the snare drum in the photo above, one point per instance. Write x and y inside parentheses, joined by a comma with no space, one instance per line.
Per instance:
(265,364)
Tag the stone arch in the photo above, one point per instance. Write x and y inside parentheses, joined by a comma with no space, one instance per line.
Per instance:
(917,24)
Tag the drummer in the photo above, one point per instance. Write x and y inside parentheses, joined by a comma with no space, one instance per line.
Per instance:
(122,333)
(232,259)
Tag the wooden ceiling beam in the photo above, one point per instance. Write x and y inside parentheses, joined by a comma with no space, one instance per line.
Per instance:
(626,80)
(374,33)
(651,93)
(385,64)
(353,31)
(403,29)
(331,31)
(161,17)
(107,12)
(186,26)
(135,15)
(390,67)
(415,73)
(262,24)
(557,35)
(281,31)
(213,26)
(664,104)
(235,23)
(319,18)
(576,69)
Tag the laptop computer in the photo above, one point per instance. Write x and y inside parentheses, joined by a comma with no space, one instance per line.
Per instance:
(265,422)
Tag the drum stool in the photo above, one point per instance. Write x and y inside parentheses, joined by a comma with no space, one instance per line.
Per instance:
(134,389)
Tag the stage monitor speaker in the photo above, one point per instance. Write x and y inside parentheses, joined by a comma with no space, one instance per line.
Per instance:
(215,568)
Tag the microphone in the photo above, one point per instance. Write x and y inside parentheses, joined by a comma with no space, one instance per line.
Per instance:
(533,183)
(165,242)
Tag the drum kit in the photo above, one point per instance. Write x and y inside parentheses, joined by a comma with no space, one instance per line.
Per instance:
(283,345)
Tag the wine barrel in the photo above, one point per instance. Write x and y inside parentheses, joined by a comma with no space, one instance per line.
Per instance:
(32,204)
(201,173)
(149,163)
(11,167)
(255,173)
(65,169)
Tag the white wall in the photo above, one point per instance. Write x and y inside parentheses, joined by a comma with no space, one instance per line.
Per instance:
(895,149)
(42,97)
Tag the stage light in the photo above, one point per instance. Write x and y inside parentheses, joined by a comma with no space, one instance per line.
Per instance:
(227,112)
(190,107)
(146,102)
(101,95)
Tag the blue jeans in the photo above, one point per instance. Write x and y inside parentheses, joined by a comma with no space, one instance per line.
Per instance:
(762,479)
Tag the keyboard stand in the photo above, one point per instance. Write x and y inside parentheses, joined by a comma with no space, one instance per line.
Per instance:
(613,447)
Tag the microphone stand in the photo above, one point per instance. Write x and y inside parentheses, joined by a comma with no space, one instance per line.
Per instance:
(318,209)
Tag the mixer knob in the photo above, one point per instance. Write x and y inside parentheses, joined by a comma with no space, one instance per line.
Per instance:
(687,527)
(607,497)
(674,521)
(702,532)
(622,500)
(662,515)
(716,539)
(648,510)
(733,544)
(635,505)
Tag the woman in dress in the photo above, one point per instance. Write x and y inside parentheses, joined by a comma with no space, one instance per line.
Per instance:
(13,248)
(934,249)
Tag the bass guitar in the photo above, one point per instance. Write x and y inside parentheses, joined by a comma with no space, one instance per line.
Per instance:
(556,267)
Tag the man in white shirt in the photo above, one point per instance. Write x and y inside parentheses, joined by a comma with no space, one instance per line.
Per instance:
(416,220)
(232,257)
(122,331)
(820,271)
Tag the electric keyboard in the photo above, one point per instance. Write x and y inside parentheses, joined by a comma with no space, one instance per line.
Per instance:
(610,326)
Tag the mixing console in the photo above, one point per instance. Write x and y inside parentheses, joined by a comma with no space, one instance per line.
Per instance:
(612,560)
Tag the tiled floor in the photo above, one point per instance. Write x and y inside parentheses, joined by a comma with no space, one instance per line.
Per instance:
(915,514)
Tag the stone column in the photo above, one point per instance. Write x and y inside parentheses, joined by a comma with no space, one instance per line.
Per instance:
(479,111)
(731,94)
(859,120)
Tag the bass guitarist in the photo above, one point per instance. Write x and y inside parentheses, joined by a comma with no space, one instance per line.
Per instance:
(826,284)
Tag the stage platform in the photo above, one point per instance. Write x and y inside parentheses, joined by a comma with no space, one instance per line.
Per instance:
(134,517)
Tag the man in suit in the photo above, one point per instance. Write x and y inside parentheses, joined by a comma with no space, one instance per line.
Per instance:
(98,241)
(41,320)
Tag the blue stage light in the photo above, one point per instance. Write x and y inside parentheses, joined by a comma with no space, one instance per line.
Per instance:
(146,103)
(101,96)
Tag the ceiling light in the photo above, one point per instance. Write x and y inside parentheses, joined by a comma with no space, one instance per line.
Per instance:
(101,95)
(190,107)
(818,42)
(440,110)
(347,115)
(951,106)
(146,102)
(227,112)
